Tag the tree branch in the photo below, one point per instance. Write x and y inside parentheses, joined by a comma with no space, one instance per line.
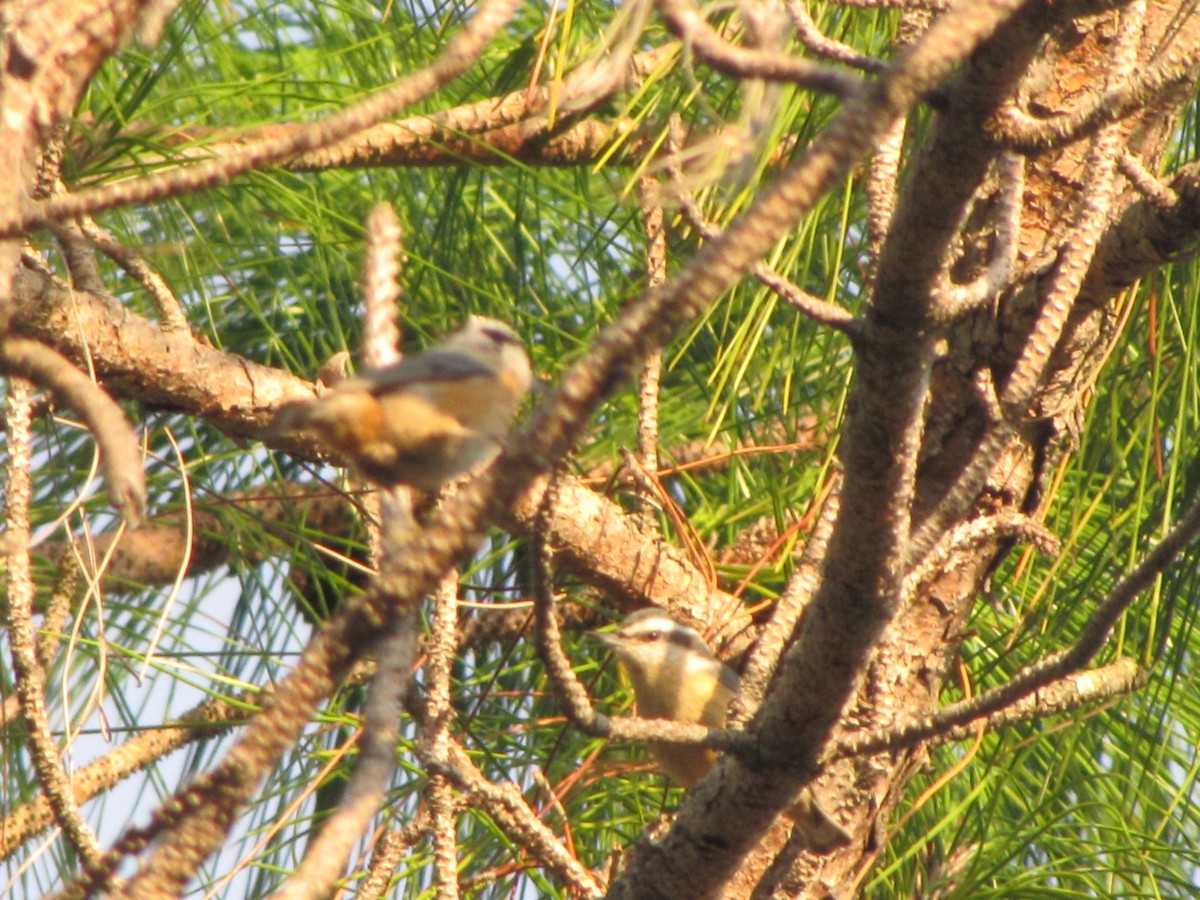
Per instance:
(1052,668)
(29,675)
(120,453)
(462,51)
(687,24)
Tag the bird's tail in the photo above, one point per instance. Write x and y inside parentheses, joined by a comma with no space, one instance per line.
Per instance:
(296,419)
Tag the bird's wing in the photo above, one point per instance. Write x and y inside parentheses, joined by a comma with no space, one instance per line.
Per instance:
(431,366)
(730,680)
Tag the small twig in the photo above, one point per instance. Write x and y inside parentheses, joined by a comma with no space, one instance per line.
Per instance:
(120,452)
(554,801)
(823,45)
(567,688)
(29,675)
(651,377)
(381,287)
(326,856)
(820,311)
(1057,696)
(689,25)
(552,797)
(954,300)
(505,804)
(1124,676)
(439,702)
(171,316)
(507,807)
(388,853)
(1145,181)
(386,511)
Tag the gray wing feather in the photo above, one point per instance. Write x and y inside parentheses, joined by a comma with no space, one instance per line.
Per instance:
(432,365)
(730,679)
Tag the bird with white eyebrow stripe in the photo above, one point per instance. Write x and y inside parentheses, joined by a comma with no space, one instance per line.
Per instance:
(675,676)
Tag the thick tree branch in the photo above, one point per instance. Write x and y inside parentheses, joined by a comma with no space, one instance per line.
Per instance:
(137,360)
(725,814)
(1147,235)
(1058,295)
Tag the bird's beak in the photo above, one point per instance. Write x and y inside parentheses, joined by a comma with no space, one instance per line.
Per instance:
(608,638)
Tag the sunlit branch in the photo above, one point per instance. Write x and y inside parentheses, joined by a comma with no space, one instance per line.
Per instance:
(1058,298)
(1174,65)
(29,675)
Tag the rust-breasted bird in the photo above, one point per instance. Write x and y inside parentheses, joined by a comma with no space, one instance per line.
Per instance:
(676,676)
(430,417)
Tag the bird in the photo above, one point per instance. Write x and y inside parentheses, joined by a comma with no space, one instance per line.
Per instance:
(426,419)
(676,676)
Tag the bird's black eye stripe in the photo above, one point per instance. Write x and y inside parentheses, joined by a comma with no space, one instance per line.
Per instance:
(642,637)
(501,335)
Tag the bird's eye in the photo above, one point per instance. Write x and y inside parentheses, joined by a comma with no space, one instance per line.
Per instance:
(653,635)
